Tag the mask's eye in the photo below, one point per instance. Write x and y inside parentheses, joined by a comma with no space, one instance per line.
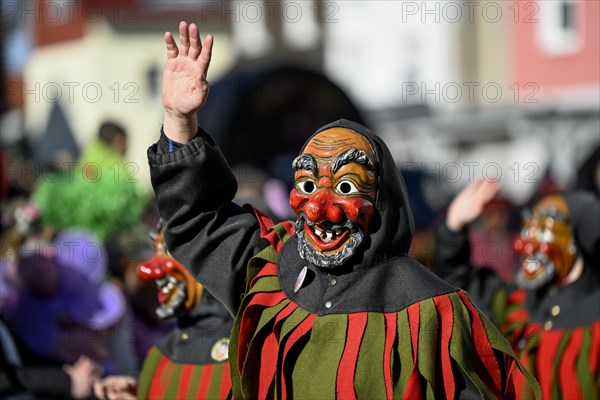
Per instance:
(306,187)
(346,187)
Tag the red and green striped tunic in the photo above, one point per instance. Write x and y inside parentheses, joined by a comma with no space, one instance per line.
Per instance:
(162,378)
(565,361)
(280,350)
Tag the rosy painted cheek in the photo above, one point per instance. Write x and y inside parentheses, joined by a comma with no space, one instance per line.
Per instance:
(297,200)
(358,210)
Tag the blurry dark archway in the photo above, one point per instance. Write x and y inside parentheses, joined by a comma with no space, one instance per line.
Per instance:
(261,114)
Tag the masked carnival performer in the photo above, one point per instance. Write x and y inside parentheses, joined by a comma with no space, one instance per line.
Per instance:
(190,362)
(551,314)
(330,306)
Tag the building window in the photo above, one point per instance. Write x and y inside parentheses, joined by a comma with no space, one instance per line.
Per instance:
(560,27)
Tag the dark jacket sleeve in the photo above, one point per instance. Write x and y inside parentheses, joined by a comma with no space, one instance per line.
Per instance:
(204,230)
(42,382)
(451,262)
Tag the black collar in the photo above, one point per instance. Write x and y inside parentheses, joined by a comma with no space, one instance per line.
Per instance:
(387,287)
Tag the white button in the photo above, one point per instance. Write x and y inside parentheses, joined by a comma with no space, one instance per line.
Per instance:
(555,310)
(548,325)
(332,281)
(328,304)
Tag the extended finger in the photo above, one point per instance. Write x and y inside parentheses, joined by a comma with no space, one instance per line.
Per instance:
(172,50)
(184,38)
(206,54)
(195,44)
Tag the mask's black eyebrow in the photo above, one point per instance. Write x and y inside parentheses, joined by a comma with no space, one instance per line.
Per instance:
(353,155)
(306,162)
(552,212)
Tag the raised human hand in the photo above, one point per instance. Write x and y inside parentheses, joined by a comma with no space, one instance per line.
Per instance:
(116,387)
(184,85)
(469,203)
(84,373)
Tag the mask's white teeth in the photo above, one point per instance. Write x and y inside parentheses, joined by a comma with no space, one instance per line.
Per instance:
(338,231)
(329,236)
(318,232)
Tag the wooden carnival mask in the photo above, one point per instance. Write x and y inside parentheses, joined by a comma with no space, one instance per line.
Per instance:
(178,291)
(334,196)
(546,244)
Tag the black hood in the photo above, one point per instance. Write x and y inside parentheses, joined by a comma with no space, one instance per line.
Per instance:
(391,230)
(380,277)
(584,210)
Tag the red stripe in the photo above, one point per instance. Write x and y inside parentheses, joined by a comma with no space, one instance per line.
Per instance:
(204,384)
(345,374)
(519,315)
(225,381)
(517,297)
(511,379)
(446,322)
(414,315)
(269,269)
(292,338)
(185,380)
(484,349)
(549,341)
(567,375)
(268,355)
(289,227)
(250,319)
(518,377)
(595,348)
(264,221)
(413,386)
(390,336)
(157,390)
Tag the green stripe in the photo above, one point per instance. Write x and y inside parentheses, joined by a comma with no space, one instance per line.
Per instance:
(327,341)
(499,309)
(405,353)
(582,366)
(266,284)
(214,387)
(462,347)
(282,232)
(245,389)
(267,316)
(194,381)
(268,254)
(556,393)
(499,342)
(292,322)
(427,347)
(173,384)
(371,358)
(270,313)
(257,262)
(531,350)
(148,369)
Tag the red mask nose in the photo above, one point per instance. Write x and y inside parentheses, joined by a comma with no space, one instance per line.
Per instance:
(150,270)
(525,247)
(322,207)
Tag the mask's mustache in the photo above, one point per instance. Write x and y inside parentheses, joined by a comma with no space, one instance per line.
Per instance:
(328,225)
(314,256)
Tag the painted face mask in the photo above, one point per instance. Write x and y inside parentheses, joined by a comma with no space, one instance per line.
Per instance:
(546,246)
(333,196)
(178,291)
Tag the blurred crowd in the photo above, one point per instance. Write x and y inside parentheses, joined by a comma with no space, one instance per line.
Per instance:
(72,308)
